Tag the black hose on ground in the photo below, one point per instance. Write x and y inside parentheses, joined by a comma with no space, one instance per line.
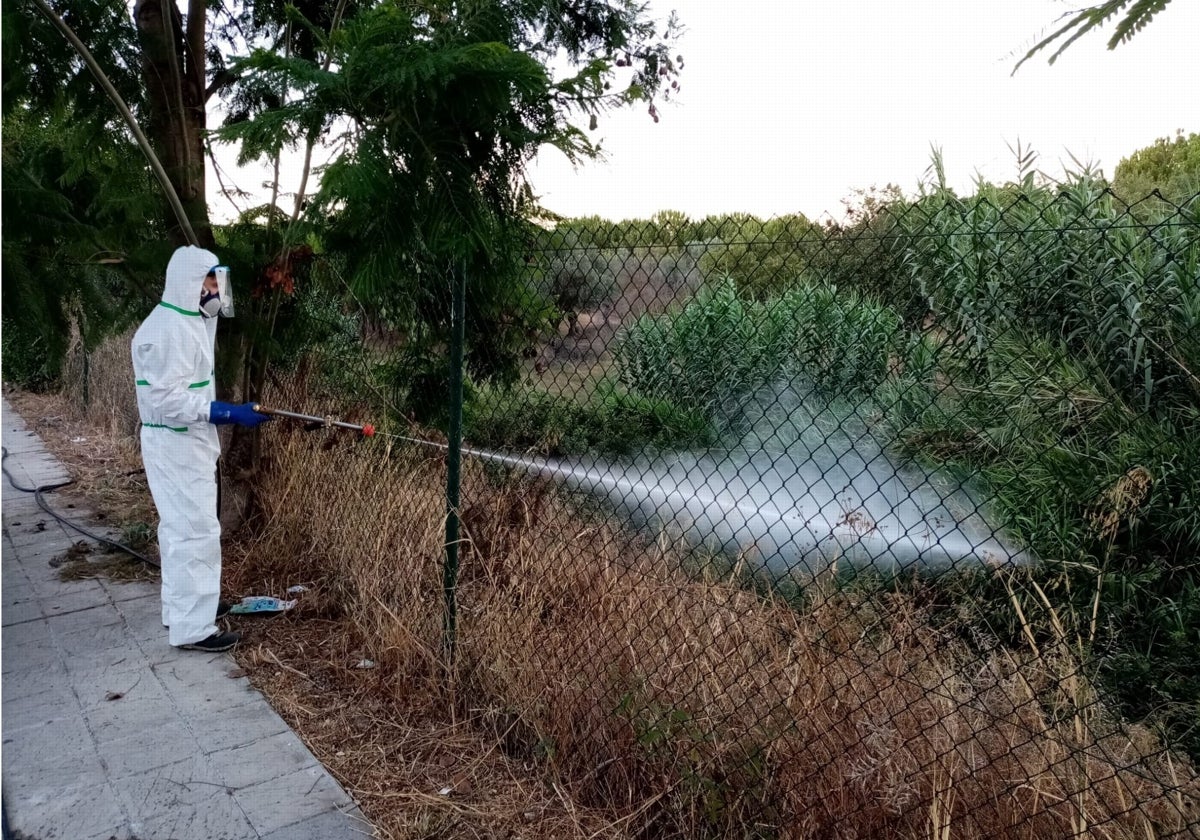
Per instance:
(46,488)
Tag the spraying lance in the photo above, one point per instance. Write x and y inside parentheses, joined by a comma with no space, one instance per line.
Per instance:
(366,429)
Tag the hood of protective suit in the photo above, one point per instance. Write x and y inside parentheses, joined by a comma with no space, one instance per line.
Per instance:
(185,277)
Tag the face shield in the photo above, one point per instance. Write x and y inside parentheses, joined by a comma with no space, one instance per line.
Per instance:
(219,302)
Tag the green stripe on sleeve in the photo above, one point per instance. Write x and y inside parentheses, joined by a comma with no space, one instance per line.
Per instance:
(161,426)
(142,382)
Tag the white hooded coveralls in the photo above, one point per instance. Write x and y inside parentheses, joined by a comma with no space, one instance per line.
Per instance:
(173,365)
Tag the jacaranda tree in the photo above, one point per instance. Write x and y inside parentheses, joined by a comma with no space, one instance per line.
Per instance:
(436,109)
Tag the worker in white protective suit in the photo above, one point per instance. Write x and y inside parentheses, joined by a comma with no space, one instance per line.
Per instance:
(173,353)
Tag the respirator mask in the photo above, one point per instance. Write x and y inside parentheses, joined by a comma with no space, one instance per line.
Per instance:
(219,302)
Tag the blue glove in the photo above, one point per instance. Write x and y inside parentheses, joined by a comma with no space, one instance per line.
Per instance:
(220,414)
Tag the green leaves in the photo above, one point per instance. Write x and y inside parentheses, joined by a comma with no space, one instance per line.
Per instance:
(75,233)
(722,347)
(1071,264)
(1170,166)
(1138,14)
(42,71)
(441,107)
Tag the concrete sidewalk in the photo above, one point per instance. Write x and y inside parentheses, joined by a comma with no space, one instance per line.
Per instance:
(111,734)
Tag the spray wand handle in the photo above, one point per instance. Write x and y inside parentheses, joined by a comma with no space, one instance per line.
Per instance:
(366,429)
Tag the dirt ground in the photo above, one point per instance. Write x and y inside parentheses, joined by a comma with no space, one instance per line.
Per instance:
(418,768)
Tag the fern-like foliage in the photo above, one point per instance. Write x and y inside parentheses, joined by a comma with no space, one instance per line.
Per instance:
(1137,15)
(41,70)
(436,110)
(81,214)
(80,239)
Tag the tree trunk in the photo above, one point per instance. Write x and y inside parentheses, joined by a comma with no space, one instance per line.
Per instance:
(173,72)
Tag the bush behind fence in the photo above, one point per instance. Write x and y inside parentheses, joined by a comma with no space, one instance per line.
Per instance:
(976,420)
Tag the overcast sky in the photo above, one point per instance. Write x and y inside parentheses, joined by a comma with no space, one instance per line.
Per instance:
(788,105)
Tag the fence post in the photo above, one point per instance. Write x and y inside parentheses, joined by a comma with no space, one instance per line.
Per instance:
(454,459)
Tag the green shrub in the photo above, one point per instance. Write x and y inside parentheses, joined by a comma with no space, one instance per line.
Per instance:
(1170,166)
(1051,438)
(28,361)
(1105,495)
(613,423)
(319,327)
(578,278)
(721,346)
(764,258)
(1071,264)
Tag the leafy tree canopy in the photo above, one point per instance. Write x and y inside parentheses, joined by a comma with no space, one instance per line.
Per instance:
(435,110)
(80,239)
(1169,165)
(42,72)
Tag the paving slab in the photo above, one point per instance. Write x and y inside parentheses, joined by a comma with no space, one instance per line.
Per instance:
(143,751)
(109,733)
(66,811)
(220,821)
(20,612)
(23,682)
(290,799)
(243,767)
(318,828)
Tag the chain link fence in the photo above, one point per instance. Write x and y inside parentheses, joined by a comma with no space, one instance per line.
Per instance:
(882,528)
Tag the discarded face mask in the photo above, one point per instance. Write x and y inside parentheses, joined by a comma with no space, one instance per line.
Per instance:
(259,604)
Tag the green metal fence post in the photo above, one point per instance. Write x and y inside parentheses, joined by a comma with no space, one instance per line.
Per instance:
(454,459)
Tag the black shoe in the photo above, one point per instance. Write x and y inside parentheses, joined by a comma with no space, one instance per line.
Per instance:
(215,643)
(222,609)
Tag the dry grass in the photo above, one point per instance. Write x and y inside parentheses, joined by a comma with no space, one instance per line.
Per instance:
(97,437)
(417,770)
(668,707)
(600,693)
(105,470)
(99,385)
(389,741)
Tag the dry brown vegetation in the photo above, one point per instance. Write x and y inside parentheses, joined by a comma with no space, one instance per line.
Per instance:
(598,692)
(92,428)
(695,708)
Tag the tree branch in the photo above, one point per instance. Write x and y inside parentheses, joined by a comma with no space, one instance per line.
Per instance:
(144,144)
(197,19)
(170,13)
(223,79)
